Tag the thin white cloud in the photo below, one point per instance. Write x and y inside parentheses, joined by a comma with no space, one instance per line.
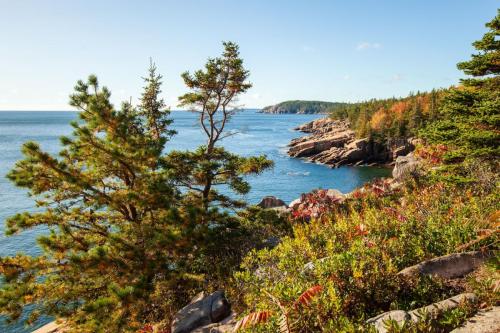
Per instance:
(347,77)
(367,45)
(396,77)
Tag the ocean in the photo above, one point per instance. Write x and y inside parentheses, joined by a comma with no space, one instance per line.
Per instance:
(257,133)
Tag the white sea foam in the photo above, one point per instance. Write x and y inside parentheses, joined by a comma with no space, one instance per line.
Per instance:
(298,173)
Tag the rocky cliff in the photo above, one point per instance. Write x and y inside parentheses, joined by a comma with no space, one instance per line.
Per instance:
(333,143)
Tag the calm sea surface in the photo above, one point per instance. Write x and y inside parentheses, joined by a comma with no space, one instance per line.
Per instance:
(257,134)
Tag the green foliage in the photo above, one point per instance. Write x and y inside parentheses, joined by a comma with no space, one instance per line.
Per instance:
(116,230)
(213,91)
(355,251)
(126,243)
(383,120)
(302,107)
(469,117)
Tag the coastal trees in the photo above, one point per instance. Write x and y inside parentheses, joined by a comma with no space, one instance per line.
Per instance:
(469,119)
(116,239)
(213,93)
(126,243)
(386,119)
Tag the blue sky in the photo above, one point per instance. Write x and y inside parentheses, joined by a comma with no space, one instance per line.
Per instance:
(314,50)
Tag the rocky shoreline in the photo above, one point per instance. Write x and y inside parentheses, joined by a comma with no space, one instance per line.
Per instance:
(332,142)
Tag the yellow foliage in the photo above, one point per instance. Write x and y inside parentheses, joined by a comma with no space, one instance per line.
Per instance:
(379,119)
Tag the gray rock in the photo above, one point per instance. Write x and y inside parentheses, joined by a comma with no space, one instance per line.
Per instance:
(439,307)
(449,266)
(203,310)
(334,194)
(405,167)
(295,203)
(52,327)
(400,316)
(225,326)
(271,202)
(485,321)
(381,320)
(281,210)
(360,144)
(332,142)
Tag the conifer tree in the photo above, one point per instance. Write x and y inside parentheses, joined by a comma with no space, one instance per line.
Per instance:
(118,249)
(213,93)
(470,116)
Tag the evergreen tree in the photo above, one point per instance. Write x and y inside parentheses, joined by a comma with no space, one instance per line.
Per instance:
(214,91)
(126,243)
(118,249)
(470,115)
(415,116)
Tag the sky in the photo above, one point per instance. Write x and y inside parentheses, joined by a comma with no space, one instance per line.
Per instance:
(328,50)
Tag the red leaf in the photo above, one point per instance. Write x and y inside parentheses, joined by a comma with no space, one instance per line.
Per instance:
(308,295)
(252,319)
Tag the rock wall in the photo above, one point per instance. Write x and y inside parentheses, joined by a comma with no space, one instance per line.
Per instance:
(332,142)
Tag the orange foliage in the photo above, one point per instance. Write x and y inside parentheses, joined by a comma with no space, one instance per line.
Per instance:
(379,119)
(399,109)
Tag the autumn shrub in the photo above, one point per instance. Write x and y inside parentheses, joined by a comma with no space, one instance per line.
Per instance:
(355,253)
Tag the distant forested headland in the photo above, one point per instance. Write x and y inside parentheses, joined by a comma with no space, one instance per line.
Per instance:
(302,107)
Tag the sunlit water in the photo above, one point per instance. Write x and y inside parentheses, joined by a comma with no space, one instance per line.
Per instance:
(256,134)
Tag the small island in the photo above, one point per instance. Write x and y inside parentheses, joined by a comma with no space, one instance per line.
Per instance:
(302,107)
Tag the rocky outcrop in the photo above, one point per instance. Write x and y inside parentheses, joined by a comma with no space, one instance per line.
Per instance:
(225,326)
(203,310)
(433,310)
(448,267)
(52,327)
(328,196)
(333,143)
(380,321)
(485,321)
(405,167)
(271,202)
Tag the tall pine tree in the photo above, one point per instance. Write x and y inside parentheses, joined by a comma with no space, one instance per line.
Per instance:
(119,247)
(470,116)
(213,93)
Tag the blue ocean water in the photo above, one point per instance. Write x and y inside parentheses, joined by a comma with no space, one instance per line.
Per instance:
(257,133)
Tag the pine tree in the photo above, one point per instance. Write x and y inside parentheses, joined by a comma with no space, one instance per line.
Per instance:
(214,92)
(119,246)
(470,115)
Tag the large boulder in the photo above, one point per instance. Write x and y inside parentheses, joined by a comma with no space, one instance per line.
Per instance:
(401,147)
(225,326)
(380,321)
(297,202)
(448,267)
(271,202)
(52,327)
(203,310)
(326,134)
(435,309)
(485,321)
(315,144)
(405,167)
